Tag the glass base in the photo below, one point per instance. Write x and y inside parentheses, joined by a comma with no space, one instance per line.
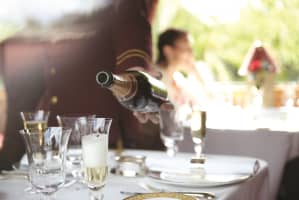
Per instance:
(198,160)
(197,166)
(171,151)
(48,197)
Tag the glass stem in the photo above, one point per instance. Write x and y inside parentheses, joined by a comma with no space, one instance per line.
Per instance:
(172,151)
(198,150)
(96,194)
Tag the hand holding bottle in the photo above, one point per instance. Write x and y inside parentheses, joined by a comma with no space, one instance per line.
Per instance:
(137,91)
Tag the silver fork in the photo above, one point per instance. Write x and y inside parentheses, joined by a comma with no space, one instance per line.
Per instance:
(197,195)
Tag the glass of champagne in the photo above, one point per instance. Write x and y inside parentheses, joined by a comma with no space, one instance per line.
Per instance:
(198,132)
(46,159)
(171,130)
(95,156)
(35,120)
(79,126)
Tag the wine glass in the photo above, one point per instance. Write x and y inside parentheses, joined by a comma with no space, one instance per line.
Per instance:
(46,158)
(95,156)
(79,127)
(198,133)
(171,130)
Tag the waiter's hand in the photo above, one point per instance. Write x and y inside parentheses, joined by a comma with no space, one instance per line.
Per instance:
(153,117)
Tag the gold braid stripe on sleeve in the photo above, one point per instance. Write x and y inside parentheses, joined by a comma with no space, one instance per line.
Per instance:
(130,51)
(131,54)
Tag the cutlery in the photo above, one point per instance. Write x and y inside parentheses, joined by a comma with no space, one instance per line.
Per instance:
(197,195)
(204,195)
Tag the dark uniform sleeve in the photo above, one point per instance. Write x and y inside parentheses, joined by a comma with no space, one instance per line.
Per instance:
(12,148)
(24,83)
(132,34)
(4,163)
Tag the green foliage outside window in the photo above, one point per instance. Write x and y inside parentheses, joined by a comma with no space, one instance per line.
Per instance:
(224,46)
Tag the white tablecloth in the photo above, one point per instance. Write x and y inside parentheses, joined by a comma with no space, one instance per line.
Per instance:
(275,147)
(256,188)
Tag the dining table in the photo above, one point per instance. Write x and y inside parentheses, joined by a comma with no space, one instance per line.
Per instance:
(255,185)
(270,134)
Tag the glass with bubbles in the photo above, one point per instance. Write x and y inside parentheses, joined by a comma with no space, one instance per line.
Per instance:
(95,156)
(198,132)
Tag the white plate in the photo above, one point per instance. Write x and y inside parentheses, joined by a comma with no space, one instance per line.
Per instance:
(192,180)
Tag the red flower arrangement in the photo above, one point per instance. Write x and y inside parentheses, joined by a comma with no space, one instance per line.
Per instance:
(258,69)
(257,60)
(258,65)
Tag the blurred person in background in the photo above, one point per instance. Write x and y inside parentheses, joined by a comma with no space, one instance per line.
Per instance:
(177,65)
(55,70)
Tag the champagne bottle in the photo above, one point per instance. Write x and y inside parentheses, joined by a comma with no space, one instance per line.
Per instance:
(136,90)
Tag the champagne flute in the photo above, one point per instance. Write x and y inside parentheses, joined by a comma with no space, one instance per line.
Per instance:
(95,156)
(46,159)
(79,126)
(37,122)
(198,133)
(171,130)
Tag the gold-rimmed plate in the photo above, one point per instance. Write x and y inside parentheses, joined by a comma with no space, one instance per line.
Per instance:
(156,196)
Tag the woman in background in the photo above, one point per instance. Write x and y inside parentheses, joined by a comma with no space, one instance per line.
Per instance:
(177,66)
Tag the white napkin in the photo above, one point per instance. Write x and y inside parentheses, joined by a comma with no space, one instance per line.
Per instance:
(231,165)
(213,164)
